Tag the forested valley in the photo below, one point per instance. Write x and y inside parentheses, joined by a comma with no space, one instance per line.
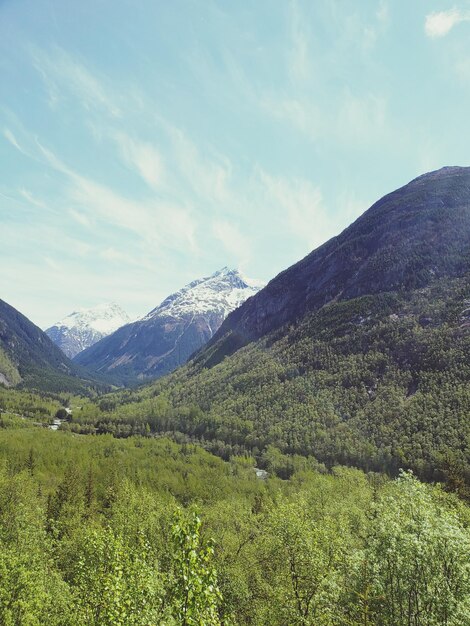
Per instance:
(377,382)
(96,530)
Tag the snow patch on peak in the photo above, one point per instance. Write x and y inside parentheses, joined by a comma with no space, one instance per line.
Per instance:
(84,327)
(104,318)
(221,292)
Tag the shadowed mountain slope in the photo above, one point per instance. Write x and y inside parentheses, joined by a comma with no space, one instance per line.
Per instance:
(406,240)
(28,357)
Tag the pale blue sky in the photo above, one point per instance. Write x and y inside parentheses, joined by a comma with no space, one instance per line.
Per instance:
(147,143)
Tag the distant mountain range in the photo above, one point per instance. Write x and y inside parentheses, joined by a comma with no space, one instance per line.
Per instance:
(167,336)
(28,357)
(83,328)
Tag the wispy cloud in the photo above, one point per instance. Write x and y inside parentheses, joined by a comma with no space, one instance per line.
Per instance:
(440,23)
(299,57)
(27,195)
(60,71)
(361,117)
(80,218)
(300,203)
(164,225)
(160,224)
(383,12)
(43,237)
(344,116)
(10,137)
(141,156)
(302,113)
(462,69)
(124,259)
(53,265)
(351,117)
(235,243)
(208,177)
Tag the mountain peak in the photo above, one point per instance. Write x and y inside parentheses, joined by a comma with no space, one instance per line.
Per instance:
(86,326)
(224,271)
(167,336)
(237,274)
(221,292)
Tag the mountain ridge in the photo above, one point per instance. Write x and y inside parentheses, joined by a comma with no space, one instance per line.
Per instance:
(364,258)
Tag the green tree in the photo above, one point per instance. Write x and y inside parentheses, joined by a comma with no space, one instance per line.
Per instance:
(195,595)
(32,593)
(418,551)
(113,583)
(305,559)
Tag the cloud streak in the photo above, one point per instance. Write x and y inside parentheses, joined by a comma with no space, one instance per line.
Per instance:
(301,205)
(10,137)
(61,71)
(161,224)
(143,157)
(234,242)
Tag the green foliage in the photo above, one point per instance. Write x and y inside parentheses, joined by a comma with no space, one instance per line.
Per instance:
(305,559)
(195,594)
(32,593)
(100,531)
(418,550)
(114,584)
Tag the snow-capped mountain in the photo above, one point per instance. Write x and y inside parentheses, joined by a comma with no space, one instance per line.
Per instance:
(167,336)
(83,328)
(220,293)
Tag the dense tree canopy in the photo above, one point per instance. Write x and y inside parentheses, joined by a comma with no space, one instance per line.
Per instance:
(96,530)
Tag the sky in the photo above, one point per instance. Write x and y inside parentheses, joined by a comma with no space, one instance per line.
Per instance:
(146,144)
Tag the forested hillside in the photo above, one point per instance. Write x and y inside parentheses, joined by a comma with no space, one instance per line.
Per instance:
(379,382)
